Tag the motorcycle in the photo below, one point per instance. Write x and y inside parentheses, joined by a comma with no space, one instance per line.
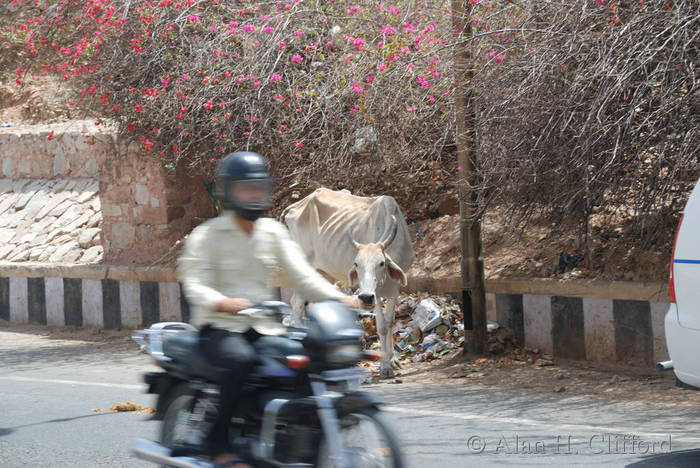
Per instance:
(300,407)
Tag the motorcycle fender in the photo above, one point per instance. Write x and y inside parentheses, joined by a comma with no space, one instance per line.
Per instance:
(154,380)
(357,400)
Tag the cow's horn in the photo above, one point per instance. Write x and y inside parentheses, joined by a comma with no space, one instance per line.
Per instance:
(354,242)
(392,235)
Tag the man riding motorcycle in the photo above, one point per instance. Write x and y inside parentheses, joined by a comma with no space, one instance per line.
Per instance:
(230,262)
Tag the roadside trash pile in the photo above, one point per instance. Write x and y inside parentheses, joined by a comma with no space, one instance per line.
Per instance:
(430,327)
(426,328)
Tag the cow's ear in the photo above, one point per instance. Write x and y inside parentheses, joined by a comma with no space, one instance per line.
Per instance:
(352,277)
(396,273)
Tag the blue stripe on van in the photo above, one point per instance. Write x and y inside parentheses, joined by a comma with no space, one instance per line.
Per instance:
(694,262)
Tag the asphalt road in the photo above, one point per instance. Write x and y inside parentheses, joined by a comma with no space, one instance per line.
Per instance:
(50,388)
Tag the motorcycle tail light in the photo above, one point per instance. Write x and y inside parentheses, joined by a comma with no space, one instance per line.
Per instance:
(369,355)
(298,362)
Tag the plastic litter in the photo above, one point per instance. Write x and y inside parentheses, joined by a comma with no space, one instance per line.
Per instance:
(427,315)
(429,327)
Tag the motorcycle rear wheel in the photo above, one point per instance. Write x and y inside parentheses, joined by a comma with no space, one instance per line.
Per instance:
(368,440)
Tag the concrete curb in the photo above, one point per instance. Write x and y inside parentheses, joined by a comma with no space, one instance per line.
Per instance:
(590,320)
(648,291)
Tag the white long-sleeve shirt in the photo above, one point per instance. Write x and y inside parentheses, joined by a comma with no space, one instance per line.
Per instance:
(220,260)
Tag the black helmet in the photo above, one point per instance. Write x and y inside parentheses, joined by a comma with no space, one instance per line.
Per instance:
(244,184)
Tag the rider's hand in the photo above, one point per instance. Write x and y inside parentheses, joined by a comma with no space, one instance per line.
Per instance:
(232,305)
(353,301)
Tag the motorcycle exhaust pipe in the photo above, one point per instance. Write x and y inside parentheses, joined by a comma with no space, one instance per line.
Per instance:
(664,366)
(157,453)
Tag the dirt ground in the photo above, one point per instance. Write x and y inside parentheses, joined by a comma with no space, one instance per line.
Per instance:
(52,336)
(37,99)
(611,381)
(535,252)
(567,377)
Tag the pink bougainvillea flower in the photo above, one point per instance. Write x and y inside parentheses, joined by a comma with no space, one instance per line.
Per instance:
(50,137)
(500,58)
(423,82)
(370,78)
(249,28)
(276,77)
(209,104)
(193,18)
(298,33)
(299,144)
(185,76)
(268,29)
(382,67)
(297,58)
(357,88)
(388,30)
(138,108)
(329,43)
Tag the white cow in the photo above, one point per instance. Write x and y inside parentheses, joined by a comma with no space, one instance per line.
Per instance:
(360,241)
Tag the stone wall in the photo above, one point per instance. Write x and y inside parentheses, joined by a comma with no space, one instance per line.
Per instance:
(50,220)
(144,209)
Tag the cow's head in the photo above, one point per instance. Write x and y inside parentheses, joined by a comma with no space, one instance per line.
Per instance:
(372,266)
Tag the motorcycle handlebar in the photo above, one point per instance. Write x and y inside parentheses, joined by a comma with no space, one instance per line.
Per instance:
(283,310)
(265,307)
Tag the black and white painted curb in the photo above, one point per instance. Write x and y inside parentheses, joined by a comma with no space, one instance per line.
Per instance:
(585,328)
(78,302)
(593,329)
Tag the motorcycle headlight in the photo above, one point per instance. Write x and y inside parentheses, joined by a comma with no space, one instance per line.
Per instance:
(345,354)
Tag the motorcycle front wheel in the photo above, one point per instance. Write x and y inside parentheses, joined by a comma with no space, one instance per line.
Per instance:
(174,427)
(368,442)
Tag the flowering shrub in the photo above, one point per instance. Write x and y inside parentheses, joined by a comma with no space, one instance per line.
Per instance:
(578,104)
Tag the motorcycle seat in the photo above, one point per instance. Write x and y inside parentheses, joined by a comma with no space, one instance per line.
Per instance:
(183,348)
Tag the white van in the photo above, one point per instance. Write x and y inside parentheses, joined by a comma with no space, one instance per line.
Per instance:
(682,323)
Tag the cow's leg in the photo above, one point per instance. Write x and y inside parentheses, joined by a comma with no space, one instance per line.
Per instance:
(389,311)
(297,303)
(386,340)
